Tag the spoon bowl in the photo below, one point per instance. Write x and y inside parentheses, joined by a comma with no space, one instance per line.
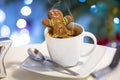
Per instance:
(35,54)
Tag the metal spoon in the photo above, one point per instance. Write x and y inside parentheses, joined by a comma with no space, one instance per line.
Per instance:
(38,56)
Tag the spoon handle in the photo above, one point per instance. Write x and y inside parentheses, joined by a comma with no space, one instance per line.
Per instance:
(66,69)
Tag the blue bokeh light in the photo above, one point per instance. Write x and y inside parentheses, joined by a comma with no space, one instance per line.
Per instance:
(2,16)
(116,20)
(27,2)
(82,0)
(94,9)
(26,11)
(21,23)
(5,31)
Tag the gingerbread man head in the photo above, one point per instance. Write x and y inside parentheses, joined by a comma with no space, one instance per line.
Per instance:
(55,13)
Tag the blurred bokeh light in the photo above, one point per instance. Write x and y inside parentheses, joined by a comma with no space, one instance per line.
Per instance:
(2,16)
(5,31)
(26,11)
(27,2)
(116,20)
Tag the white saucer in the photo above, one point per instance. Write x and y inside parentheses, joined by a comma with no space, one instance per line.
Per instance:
(90,63)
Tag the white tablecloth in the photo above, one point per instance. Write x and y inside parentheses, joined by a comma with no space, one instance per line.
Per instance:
(16,55)
(13,59)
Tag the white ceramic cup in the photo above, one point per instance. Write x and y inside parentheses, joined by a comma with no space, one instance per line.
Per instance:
(67,51)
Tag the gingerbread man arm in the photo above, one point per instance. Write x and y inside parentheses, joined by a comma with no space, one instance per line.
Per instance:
(68,19)
(46,22)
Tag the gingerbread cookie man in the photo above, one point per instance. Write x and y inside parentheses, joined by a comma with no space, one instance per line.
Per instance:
(58,23)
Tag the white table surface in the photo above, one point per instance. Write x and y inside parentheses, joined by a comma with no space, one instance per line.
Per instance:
(13,59)
(16,55)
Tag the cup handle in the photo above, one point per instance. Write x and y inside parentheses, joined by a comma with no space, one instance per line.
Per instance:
(88,34)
